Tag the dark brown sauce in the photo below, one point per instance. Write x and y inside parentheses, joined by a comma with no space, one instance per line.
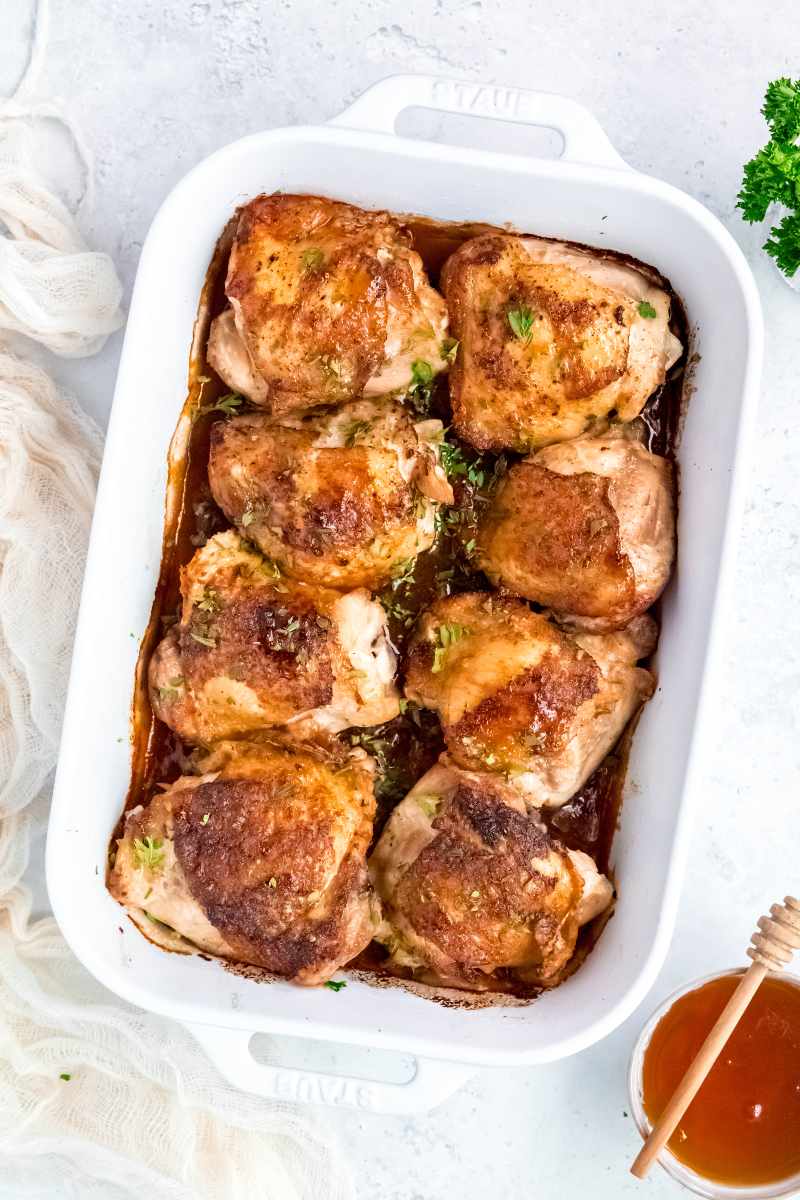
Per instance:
(406,747)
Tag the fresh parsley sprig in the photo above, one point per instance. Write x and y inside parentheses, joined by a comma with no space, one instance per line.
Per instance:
(773,175)
(228,405)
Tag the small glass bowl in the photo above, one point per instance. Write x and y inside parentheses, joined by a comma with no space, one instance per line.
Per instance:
(666,1159)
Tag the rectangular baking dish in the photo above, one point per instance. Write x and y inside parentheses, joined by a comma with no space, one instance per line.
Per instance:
(588,195)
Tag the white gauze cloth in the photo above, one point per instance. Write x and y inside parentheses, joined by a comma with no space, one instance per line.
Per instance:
(143,1113)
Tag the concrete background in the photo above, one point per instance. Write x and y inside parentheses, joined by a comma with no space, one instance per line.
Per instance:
(157,86)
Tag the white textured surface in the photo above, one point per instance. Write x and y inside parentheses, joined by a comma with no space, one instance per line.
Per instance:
(677,87)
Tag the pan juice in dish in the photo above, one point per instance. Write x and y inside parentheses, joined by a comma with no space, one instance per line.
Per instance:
(420,509)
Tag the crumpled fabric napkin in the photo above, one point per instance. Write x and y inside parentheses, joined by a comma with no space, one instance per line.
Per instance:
(98,1100)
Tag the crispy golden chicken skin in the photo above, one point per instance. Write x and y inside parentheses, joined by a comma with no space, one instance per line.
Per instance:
(254,649)
(553,339)
(517,695)
(337,497)
(327,302)
(471,884)
(586,528)
(260,859)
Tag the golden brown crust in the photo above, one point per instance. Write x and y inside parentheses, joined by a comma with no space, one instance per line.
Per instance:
(324,296)
(332,498)
(253,865)
(583,349)
(476,886)
(532,713)
(585,527)
(262,861)
(518,695)
(254,649)
(276,641)
(555,539)
(508,689)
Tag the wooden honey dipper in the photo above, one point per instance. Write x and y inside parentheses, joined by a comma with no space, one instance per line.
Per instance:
(773,945)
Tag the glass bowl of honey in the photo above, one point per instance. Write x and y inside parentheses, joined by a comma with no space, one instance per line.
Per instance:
(740,1136)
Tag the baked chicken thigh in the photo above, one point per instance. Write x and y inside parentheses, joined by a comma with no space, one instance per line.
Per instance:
(326,301)
(585,527)
(337,497)
(253,649)
(471,885)
(261,859)
(517,695)
(553,340)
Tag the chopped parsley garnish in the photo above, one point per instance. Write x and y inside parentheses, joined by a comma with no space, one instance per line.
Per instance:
(148,852)
(394,597)
(271,570)
(450,349)
(312,259)
(456,464)
(205,818)
(155,920)
(773,175)
(421,372)
(521,321)
(65,1075)
(355,431)
(172,690)
(446,636)
(282,638)
(203,639)
(209,601)
(452,459)
(335,985)
(645,309)
(397,611)
(403,573)
(421,385)
(429,803)
(373,743)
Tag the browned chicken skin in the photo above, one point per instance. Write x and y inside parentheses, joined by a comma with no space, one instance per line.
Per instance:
(586,528)
(260,859)
(517,695)
(337,497)
(553,339)
(470,884)
(261,856)
(254,649)
(327,302)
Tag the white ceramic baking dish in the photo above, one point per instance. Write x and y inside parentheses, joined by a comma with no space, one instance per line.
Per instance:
(588,195)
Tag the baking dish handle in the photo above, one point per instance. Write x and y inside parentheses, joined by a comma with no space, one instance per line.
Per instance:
(229,1050)
(380,105)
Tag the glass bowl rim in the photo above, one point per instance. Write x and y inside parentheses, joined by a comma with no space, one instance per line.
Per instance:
(678,1171)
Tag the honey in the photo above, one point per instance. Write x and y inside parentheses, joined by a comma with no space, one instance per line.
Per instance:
(743,1127)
